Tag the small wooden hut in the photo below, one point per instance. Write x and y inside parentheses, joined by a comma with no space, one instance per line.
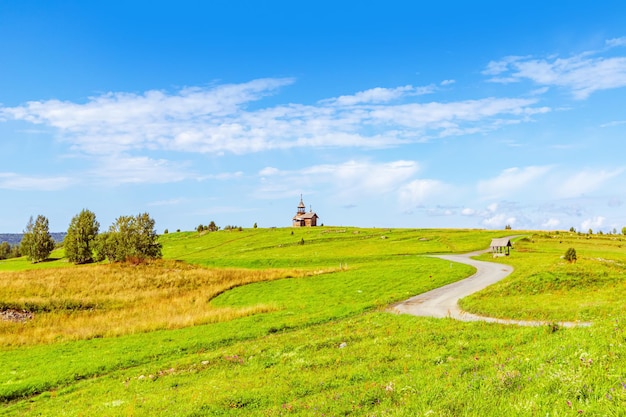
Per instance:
(501,246)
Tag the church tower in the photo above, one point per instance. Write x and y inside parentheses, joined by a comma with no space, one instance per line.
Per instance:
(301,207)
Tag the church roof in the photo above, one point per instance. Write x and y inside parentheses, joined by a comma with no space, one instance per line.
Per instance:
(308,215)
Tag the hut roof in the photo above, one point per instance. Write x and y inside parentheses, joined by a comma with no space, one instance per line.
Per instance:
(501,242)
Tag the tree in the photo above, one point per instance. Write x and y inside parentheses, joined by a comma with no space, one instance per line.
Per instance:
(104,247)
(624,230)
(570,255)
(37,243)
(572,229)
(5,250)
(147,240)
(255,226)
(81,234)
(130,237)
(213,227)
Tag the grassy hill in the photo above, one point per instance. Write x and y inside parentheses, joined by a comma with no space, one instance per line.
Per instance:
(295,322)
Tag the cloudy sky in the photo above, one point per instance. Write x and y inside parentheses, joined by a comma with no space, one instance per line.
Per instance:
(386,114)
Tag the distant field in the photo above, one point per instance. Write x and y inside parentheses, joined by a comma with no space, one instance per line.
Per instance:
(294,322)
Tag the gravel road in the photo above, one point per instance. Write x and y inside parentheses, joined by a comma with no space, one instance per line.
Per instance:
(443,302)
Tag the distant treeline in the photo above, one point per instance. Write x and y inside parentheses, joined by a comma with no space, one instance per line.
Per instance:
(16,238)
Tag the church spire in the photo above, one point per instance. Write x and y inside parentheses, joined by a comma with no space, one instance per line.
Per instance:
(301,206)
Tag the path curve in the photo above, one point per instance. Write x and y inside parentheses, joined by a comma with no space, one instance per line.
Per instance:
(443,301)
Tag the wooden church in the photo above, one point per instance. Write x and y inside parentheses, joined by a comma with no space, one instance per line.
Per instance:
(304,219)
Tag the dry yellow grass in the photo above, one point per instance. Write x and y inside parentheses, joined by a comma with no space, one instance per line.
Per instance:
(111,300)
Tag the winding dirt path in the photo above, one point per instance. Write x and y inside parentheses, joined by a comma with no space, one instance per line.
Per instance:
(443,302)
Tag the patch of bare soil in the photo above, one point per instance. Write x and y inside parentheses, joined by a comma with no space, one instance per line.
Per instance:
(16,316)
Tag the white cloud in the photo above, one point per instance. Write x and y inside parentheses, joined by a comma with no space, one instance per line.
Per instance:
(613,123)
(223,176)
(370,178)
(593,223)
(448,82)
(379,95)
(13,181)
(468,212)
(493,207)
(611,43)
(551,223)
(269,171)
(585,182)
(539,91)
(511,180)
(350,179)
(124,169)
(416,192)
(217,119)
(499,221)
(583,74)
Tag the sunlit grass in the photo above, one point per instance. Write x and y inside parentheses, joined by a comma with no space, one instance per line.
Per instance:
(321,343)
(115,299)
(56,260)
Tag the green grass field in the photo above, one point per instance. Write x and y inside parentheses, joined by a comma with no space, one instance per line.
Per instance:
(326,344)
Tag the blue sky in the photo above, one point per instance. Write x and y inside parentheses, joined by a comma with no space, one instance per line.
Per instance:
(385,114)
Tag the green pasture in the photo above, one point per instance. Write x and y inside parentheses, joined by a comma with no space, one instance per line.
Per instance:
(332,348)
(56,260)
(544,286)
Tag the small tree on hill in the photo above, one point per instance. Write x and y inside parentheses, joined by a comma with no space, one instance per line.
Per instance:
(570,255)
(37,243)
(81,234)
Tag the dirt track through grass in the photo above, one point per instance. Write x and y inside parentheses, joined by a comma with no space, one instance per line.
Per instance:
(444,301)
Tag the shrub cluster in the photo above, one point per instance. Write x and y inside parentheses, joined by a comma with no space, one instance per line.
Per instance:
(128,237)
(8,251)
(570,255)
(211,227)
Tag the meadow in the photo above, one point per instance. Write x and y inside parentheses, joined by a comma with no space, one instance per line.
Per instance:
(296,322)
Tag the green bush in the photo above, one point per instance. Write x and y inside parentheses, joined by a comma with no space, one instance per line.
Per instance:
(570,255)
